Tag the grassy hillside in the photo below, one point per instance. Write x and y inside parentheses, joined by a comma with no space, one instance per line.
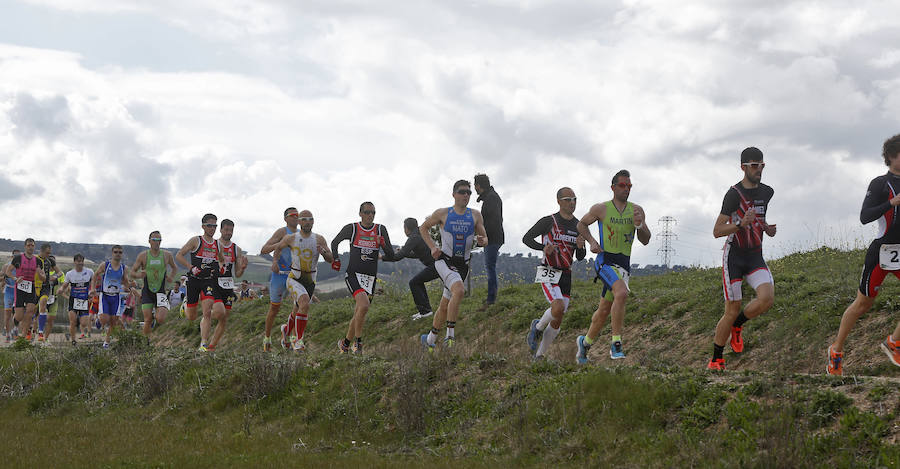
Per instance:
(484,402)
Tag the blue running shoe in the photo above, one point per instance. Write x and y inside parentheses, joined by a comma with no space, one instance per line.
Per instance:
(424,339)
(615,350)
(581,355)
(534,335)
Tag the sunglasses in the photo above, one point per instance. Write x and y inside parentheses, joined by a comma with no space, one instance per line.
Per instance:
(293,214)
(754,165)
(624,185)
(155,239)
(367,212)
(568,199)
(311,218)
(210,225)
(464,192)
(117,252)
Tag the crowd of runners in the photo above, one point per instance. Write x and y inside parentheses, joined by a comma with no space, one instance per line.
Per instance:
(33,281)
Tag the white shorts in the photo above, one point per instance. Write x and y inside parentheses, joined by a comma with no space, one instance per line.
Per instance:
(552,292)
(450,275)
(297,289)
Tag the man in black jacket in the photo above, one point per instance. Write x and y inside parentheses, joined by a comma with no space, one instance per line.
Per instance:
(492,211)
(415,247)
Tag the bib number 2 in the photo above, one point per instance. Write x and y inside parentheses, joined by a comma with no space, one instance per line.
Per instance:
(889,257)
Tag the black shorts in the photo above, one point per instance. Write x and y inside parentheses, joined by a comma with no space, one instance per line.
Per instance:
(200,289)
(354,285)
(739,265)
(148,297)
(23,298)
(80,313)
(873,275)
(223,295)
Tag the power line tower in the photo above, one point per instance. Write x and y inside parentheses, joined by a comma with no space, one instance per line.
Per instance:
(666,250)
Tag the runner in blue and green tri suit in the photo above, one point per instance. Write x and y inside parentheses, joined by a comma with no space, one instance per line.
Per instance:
(618,220)
(280,271)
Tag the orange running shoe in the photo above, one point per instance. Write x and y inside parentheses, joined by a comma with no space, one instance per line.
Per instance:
(28,336)
(716,364)
(889,347)
(737,342)
(835,362)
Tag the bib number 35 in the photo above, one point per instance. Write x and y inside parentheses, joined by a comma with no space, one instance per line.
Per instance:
(547,275)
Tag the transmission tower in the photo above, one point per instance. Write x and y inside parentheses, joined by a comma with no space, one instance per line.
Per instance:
(666,250)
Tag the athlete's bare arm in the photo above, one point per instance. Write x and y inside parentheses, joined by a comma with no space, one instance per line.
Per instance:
(139,264)
(284,242)
(7,270)
(240,264)
(480,232)
(170,263)
(724,227)
(640,219)
(270,244)
(597,212)
(439,217)
(190,246)
(95,279)
(322,246)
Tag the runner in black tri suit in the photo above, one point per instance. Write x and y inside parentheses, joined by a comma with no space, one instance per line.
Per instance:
(560,241)
(206,259)
(366,238)
(743,221)
(882,203)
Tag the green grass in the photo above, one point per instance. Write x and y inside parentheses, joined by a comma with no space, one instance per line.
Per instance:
(483,403)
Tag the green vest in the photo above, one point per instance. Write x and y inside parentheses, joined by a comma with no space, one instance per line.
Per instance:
(156,271)
(617,229)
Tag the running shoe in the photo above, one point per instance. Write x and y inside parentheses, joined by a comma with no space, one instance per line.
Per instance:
(581,356)
(716,364)
(615,350)
(284,338)
(534,335)
(210,348)
(889,347)
(357,348)
(40,336)
(341,347)
(299,345)
(267,344)
(105,345)
(449,341)
(422,315)
(424,339)
(737,342)
(81,336)
(74,342)
(28,336)
(835,362)
(202,348)
(8,338)
(15,332)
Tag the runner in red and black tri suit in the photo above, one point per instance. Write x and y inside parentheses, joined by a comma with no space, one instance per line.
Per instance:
(743,221)
(882,203)
(205,261)
(233,265)
(366,238)
(560,241)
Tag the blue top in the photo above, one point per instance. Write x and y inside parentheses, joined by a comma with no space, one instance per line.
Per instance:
(458,234)
(112,279)
(284,262)
(11,281)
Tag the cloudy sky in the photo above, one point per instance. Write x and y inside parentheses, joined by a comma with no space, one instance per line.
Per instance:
(117,118)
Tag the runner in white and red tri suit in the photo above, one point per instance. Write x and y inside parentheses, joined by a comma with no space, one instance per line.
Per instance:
(366,238)
(743,221)
(78,286)
(234,263)
(280,271)
(305,247)
(882,258)
(461,229)
(206,259)
(560,241)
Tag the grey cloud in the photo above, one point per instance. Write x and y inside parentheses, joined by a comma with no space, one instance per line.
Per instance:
(46,118)
(10,190)
(143,112)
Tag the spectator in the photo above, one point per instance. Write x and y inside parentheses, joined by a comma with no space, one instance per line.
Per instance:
(492,211)
(415,247)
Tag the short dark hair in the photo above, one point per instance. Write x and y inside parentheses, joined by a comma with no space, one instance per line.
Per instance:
(560,191)
(78,257)
(751,154)
(116,246)
(227,222)
(364,204)
(460,183)
(289,210)
(621,173)
(45,246)
(890,149)
(16,251)
(207,217)
(154,231)
(483,180)
(29,240)
(411,224)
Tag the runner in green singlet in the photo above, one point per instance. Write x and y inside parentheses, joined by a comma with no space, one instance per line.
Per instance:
(153,266)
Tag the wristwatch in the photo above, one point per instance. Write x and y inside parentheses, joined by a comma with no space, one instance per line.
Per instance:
(738,224)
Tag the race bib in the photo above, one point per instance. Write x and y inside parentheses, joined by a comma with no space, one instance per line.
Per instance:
(226,283)
(51,300)
(547,274)
(624,275)
(111,289)
(25,286)
(366,282)
(162,300)
(79,304)
(889,257)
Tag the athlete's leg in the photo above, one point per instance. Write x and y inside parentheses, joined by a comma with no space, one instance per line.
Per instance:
(440,316)
(302,316)
(206,305)
(598,320)
(860,305)
(51,317)
(42,314)
(620,294)
(73,324)
(765,297)
(30,309)
(359,316)
(557,309)
(723,327)
(457,292)
(147,309)
(219,313)
(161,313)
(270,317)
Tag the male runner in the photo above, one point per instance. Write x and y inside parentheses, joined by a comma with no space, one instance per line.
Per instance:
(112,278)
(234,263)
(560,241)
(415,247)
(154,265)
(366,238)
(280,271)
(461,228)
(9,296)
(743,220)
(205,262)
(57,278)
(45,287)
(305,247)
(617,220)
(27,271)
(882,258)
(77,285)
(176,295)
